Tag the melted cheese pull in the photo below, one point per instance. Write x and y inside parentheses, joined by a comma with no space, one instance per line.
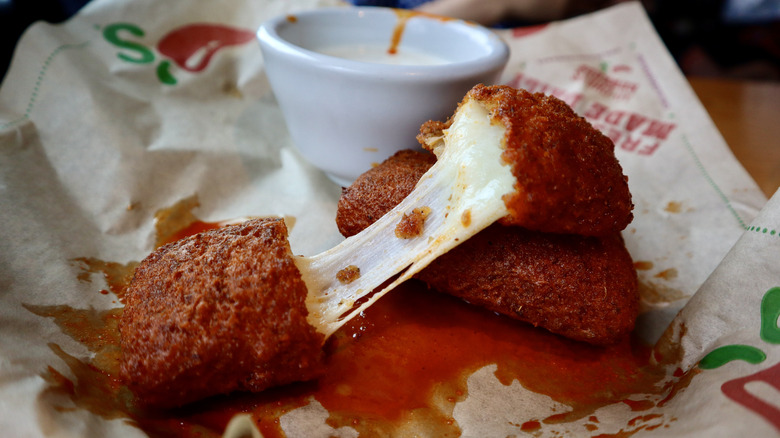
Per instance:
(468,180)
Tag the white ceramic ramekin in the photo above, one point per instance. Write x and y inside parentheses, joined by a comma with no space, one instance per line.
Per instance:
(346,115)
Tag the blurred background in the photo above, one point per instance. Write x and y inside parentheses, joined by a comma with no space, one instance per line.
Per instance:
(737,39)
(17,15)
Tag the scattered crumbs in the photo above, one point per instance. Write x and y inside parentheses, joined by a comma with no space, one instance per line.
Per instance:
(673,207)
(465,218)
(292,18)
(348,274)
(133,205)
(667,274)
(411,225)
(374,164)
(371,149)
(643,265)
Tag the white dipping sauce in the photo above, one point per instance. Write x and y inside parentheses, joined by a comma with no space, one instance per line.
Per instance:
(380,55)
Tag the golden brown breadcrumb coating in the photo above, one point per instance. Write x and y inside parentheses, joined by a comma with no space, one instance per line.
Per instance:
(584,288)
(568,179)
(581,287)
(220,311)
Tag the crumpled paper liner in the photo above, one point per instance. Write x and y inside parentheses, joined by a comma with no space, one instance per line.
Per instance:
(95,139)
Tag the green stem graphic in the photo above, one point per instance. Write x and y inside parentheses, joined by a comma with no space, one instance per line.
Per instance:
(723,355)
(164,73)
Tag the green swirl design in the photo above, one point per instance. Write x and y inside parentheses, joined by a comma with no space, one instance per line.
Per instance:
(723,355)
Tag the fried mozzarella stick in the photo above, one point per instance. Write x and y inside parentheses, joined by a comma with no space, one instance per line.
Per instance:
(221,311)
(584,288)
(478,178)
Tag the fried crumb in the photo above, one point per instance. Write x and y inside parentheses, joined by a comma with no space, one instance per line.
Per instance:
(348,274)
(465,218)
(411,225)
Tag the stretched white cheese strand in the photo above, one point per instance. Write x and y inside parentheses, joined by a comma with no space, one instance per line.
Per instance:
(463,191)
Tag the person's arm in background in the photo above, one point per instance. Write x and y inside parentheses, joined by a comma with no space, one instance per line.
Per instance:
(491,12)
(725,38)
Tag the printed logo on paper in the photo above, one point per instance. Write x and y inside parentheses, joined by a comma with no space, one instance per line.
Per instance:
(736,389)
(190,47)
(630,131)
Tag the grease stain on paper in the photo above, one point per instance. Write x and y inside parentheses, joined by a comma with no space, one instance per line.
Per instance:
(654,294)
(667,274)
(673,207)
(643,265)
(654,290)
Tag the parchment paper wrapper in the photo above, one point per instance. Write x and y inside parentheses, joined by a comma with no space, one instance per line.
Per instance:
(101,127)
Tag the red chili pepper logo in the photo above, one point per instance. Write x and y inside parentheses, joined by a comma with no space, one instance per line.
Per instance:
(190,47)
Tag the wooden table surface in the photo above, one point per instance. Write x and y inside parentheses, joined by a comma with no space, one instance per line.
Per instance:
(747,114)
